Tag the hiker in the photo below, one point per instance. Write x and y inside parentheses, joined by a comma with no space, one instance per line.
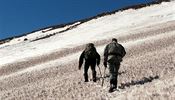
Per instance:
(92,58)
(113,54)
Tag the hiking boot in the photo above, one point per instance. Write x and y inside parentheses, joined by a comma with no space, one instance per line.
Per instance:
(86,81)
(94,80)
(111,89)
(86,78)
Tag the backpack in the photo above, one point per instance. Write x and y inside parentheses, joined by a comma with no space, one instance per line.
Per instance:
(115,49)
(90,51)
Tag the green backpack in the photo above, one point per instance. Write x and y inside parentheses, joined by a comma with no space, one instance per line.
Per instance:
(90,52)
(114,48)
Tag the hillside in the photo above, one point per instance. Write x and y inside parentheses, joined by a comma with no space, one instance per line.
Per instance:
(45,65)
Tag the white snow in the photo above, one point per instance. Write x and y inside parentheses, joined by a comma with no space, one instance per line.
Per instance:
(117,24)
(71,57)
(37,70)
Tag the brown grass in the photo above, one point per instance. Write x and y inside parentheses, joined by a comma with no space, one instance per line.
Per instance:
(154,56)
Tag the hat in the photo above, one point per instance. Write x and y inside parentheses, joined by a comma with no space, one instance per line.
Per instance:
(114,39)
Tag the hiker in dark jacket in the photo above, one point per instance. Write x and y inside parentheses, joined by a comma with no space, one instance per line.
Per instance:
(91,57)
(113,54)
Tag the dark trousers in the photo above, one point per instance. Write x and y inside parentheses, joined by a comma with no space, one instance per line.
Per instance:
(113,71)
(86,67)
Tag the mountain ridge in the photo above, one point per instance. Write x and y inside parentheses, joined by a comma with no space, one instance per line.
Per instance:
(86,19)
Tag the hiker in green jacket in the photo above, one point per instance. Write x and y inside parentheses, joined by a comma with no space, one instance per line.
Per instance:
(113,54)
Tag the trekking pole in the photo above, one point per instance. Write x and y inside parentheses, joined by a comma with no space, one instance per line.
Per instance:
(100,71)
(103,78)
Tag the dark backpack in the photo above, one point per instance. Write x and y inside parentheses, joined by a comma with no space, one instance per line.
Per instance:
(115,49)
(90,52)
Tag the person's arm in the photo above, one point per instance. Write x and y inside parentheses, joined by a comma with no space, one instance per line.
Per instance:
(124,52)
(105,56)
(81,60)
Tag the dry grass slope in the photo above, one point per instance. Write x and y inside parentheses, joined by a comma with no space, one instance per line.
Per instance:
(147,71)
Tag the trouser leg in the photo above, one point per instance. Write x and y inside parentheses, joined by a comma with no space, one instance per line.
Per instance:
(93,72)
(113,70)
(116,69)
(86,67)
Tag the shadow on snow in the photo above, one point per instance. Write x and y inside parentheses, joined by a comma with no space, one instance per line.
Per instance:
(138,82)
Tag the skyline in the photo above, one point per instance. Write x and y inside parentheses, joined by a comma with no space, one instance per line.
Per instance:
(21,17)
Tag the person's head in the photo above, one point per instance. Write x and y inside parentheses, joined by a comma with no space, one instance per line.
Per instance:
(90,45)
(114,40)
